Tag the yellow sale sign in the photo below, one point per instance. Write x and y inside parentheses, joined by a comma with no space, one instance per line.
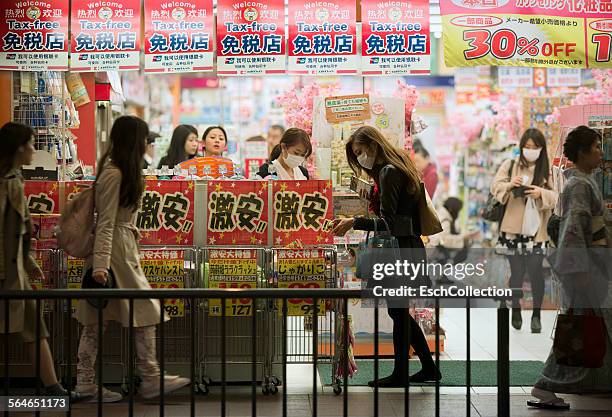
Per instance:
(555,34)
(234,307)
(301,268)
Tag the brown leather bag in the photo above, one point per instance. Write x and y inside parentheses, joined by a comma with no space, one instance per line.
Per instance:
(580,340)
(430,222)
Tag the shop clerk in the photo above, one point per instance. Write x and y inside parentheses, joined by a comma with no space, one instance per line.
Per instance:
(183,146)
(214,141)
(288,156)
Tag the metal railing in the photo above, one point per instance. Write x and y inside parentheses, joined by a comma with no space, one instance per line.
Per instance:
(196,295)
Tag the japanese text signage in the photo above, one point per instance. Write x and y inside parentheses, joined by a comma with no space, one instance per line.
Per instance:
(165,269)
(233,268)
(43,197)
(34,35)
(166,213)
(250,37)
(561,33)
(237,213)
(347,108)
(301,269)
(302,213)
(395,37)
(105,35)
(178,35)
(322,37)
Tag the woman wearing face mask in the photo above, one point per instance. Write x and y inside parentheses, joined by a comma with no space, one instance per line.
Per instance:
(397,207)
(288,156)
(530,178)
(183,146)
(214,141)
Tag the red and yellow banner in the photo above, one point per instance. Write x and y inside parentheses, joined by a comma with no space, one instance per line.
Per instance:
(165,269)
(179,36)
(302,213)
(566,34)
(237,213)
(43,197)
(105,35)
(166,213)
(34,35)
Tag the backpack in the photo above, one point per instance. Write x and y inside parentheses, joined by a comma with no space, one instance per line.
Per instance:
(75,231)
(493,210)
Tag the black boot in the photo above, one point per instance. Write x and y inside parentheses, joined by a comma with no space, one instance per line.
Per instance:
(536,324)
(517,319)
(426,375)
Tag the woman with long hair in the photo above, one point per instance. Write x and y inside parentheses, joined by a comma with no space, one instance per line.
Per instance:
(582,265)
(517,181)
(287,158)
(399,188)
(118,190)
(17,266)
(214,141)
(183,146)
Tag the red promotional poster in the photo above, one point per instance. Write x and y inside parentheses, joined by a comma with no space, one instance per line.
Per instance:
(322,37)
(34,35)
(395,37)
(166,213)
(302,213)
(105,35)
(178,35)
(250,37)
(237,213)
(72,188)
(43,197)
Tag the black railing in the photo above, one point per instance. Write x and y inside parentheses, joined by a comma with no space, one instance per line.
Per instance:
(196,295)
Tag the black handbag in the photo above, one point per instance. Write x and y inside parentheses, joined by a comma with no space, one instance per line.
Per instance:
(90,283)
(493,210)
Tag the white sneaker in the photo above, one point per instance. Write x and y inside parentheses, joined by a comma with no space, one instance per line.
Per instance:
(150,386)
(91,392)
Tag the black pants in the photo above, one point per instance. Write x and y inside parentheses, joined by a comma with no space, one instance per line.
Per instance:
(528,264)
(407,332)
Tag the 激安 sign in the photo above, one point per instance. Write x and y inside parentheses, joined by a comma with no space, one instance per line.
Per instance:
(34,35)
(395,37)
(347,108)
(553,34)
(105,35)
(322,37)
(178,35)
(250,37)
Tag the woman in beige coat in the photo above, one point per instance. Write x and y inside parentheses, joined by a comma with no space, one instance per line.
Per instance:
(118,191)
(530,178)
(16,263)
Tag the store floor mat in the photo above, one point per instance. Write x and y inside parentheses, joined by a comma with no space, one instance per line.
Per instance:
(484,373)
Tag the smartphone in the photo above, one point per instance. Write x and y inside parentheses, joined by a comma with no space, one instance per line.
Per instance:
(358,185)
(520,191)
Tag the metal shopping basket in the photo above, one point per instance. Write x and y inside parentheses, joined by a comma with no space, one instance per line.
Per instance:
(234,267)
(315,267)
(20,362)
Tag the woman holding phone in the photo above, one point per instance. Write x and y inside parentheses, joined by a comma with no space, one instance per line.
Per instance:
(527,177)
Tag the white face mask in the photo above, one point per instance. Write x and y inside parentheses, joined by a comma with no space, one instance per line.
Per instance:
(294,161)
(366,161)
(531,155)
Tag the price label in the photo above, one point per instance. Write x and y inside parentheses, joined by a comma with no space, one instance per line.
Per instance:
(302,306)
(234,307)
(173,307)
(74,269)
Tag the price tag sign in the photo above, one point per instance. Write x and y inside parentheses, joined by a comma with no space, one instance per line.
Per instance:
(74,277)
(166,269)
(233,268)
(301,269)
(174,307)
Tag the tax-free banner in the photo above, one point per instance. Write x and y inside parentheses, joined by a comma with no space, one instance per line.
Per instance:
(179,35)
(395,37)
(34,35)
(250,37)
(554,33)
(105,35)
(322,37)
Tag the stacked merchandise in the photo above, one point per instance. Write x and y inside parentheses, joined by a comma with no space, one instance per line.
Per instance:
(42,100)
